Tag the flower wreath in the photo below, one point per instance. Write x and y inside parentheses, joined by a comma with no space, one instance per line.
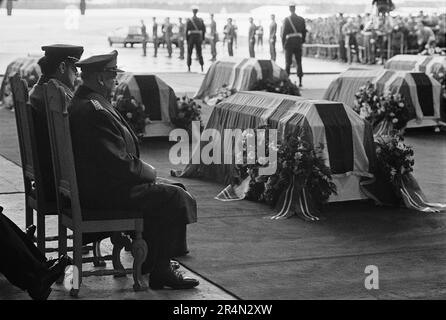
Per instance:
(188,110)
(296,159)
(133,112)
(390,108)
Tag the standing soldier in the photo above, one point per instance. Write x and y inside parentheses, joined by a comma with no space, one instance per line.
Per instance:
(252,37)
(9,7)
(155,36)
(260,35)
(181,34)
(272,37)
(293,36)
(235,33)
(83,7)
(167,30)
(230,36)
(144,38)
(195,32)
(214,38)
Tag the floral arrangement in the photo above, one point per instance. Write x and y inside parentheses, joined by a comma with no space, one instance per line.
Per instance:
(395,158)
(188,110)
(377,108)
(296,159)
(132,111)
(277,85)
(222,93)
(441,77)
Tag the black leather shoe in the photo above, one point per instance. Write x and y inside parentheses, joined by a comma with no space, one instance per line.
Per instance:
(174,264)
(172,279)
(43,290)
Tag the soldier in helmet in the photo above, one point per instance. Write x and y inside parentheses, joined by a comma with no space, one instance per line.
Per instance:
(195,33)
(293,36)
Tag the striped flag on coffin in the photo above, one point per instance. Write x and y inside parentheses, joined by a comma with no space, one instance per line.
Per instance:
(421,92)
(237,74)
(158,98)
(431,65)
(348,140)
(27,68)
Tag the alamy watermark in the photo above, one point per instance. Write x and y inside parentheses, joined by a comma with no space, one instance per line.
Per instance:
(232,146)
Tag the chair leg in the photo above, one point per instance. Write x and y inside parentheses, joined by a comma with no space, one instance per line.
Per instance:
(118,245)
(98,261)
(77,261)
(41,231)
(139,252)
(62,245)
(29,215)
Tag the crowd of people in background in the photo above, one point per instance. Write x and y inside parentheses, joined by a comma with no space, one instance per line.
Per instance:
(367,38)
(373,39)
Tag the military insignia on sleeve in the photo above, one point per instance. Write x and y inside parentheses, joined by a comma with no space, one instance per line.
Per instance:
(96,104)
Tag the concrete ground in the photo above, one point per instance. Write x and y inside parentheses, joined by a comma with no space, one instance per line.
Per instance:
(104,287)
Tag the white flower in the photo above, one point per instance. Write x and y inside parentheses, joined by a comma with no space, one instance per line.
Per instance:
(129,115)
(401,105)
(394,120)
(298,155)
(392,114)
(262,161)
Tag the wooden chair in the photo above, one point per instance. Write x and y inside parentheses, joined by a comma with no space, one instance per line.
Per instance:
(72,215)
(35,194)
(35,197)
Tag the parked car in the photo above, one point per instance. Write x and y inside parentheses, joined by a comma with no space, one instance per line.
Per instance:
(126,35)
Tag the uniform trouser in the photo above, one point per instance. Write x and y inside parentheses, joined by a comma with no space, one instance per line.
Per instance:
(190,47)
(252,43)
(272,48)
(214,48)
(342,51)
(169,46)
(21,263)
(181,45)
(297,52)
(260,40)
(167,210)
(144,48)
(230,47)
(155,46)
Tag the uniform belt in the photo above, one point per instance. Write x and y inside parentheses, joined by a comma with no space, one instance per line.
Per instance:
(294,35)
(195,31)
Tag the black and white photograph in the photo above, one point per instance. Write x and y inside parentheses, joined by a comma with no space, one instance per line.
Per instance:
(222,156)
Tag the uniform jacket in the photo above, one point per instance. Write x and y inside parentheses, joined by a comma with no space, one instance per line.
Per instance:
(252,31)
(299,24)
(37,101)
(105,149)
(272,30)
(190,27)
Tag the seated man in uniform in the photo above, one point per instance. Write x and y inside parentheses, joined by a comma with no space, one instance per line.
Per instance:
(111,175)
(24,265)
(57,64)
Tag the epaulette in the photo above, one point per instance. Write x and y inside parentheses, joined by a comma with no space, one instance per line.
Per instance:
(96,104)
